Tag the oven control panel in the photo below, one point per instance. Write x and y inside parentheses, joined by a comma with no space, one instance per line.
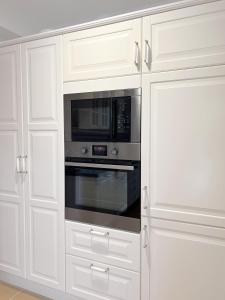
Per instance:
(118,151)
(99,150)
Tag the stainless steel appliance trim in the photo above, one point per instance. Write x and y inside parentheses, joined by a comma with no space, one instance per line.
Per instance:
(102,219)
(135,119)
(99,166)
(103,94)
(126,151)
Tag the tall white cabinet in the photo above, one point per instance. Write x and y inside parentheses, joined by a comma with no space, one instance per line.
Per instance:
(44,184)
(11,148)
(183,146)
(32,162)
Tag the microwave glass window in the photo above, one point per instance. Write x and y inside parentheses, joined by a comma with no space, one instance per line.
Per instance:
(107,119)
(91,119)
(109,191)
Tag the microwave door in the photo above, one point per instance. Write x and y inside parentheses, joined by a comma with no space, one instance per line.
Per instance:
(91,120)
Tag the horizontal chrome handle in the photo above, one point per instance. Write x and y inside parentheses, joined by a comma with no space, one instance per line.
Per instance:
(99,233)
(99,166)
(98,269)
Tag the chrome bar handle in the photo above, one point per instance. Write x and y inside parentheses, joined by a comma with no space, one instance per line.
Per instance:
(145,237)
(136,60)
(98,233)
(99,166)
(145,189)
(98,269)
(18,164)
(24,164)
(147,53)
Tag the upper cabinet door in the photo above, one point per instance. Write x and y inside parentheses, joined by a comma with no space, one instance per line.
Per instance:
(183,145)
(111,50)
(184,38)
(44,142)
(11,192)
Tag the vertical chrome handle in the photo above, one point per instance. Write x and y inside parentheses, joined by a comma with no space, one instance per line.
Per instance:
(145,237)
(136,60)
(18,164)
(145,189)
(24,164)
(147,53)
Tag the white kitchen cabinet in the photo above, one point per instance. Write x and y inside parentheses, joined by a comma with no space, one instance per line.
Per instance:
(186,261)
(11,188)
(185,38)
(92,280)
(106,245)
(106,51)
(183,146)
(44,182)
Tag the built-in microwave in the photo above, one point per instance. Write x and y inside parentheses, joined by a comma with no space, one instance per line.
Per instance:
(108,116)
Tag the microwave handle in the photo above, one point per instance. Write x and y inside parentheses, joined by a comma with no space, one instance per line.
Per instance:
(99,166)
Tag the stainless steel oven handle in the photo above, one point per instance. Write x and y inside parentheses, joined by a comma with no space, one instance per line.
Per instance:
(100,166)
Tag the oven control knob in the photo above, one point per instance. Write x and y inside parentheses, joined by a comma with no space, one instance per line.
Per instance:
(114,151)
(84,150)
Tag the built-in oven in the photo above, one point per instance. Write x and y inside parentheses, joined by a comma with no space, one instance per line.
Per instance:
(102,158)
(103,193)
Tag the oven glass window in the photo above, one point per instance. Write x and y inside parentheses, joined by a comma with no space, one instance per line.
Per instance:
(91,120)
(109,191)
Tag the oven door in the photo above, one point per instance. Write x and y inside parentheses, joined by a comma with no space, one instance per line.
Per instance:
(103,194)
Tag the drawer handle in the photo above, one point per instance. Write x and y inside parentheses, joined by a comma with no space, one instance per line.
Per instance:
(98,233)
(101,270)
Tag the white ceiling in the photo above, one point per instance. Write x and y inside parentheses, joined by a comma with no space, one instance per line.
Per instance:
(25,17)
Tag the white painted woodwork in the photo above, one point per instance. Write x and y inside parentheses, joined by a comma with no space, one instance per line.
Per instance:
(105,51)
(185,38)
(43,124)
(11,191)
(184,145)
(91,280)
(186,261)
(102,84)
(145,258)
(115,247)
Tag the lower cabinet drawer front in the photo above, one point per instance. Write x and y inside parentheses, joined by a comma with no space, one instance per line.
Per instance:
(90,280)
(110,246)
